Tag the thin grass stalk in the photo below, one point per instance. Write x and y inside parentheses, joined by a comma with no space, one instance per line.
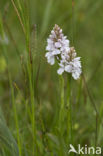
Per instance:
(13,102)
(31,87)
(19,17)
(21,10)
(34,51)
(15,115)
(29,70)
(33,113)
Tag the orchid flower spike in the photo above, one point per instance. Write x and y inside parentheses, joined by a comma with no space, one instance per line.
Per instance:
(58,48)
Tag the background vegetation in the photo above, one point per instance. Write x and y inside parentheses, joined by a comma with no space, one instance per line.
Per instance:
(30,86)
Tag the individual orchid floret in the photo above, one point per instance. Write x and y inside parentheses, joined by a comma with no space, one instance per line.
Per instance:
(57,43)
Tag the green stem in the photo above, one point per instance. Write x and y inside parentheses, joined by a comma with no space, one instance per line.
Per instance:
(32,106)
(61,116)
(31,87)
(69,117)
(79,92)
(61,113)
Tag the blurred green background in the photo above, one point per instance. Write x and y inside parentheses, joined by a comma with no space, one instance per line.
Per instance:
(82,22)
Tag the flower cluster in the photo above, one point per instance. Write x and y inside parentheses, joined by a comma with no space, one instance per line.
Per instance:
(58,48)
